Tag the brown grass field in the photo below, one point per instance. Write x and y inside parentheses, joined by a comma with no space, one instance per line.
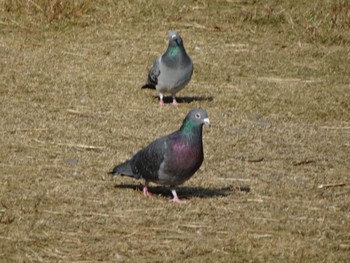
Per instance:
(274,77)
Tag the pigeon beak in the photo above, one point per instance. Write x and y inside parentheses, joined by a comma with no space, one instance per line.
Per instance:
(206,121)
(175,38)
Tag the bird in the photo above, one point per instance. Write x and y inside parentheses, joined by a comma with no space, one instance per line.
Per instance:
(172,71)
(171,159)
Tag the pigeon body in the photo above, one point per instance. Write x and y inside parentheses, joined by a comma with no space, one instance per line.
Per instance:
(172,71)
(172,159)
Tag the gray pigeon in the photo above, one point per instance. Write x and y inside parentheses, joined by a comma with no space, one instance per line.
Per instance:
(172,159)
(172,71)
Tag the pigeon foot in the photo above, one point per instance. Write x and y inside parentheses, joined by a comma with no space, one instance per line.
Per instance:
(146,192)
(175,103)
(177,201)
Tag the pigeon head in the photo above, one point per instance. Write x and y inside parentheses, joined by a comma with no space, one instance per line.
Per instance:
(194,121)
(176,50)
(175,56)
(174,39)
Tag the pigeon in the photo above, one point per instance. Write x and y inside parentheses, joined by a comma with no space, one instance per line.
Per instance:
(172,71)
(170,160)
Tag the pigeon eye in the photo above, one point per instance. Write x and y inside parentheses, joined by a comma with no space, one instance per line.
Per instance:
(198,115)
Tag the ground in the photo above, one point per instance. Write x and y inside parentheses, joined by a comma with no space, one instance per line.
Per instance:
(274,78)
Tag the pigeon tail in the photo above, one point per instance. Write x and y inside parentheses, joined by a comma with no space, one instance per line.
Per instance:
(124,169)
(148,86)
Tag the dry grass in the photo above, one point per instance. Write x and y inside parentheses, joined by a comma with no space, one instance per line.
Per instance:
(274,78)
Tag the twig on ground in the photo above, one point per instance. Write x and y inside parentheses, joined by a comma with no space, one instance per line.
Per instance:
(235,179)
(25,130)
(75,112)
(255,160)
(258,236)
(307,161)
(83,146)
(335,128)
(321,186)
(258,200)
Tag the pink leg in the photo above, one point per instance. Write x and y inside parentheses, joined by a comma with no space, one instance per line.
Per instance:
(145,190)
(161,102)
(175,103)
(176,198)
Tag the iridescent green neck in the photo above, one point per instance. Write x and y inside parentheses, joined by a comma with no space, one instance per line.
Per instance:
(173,51)
(187,127)
(190,128)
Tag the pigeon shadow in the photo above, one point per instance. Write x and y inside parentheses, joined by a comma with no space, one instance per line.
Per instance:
(184,191)
(186,99)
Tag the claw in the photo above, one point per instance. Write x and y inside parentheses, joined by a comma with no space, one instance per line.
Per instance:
(176,199)
(146,192)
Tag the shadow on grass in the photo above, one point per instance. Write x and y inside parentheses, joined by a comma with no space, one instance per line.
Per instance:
(187,99)
(184,191)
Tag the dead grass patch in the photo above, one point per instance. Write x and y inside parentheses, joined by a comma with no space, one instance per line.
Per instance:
(274,79)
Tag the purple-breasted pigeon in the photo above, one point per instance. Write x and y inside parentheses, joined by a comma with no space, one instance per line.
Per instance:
(172,159)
